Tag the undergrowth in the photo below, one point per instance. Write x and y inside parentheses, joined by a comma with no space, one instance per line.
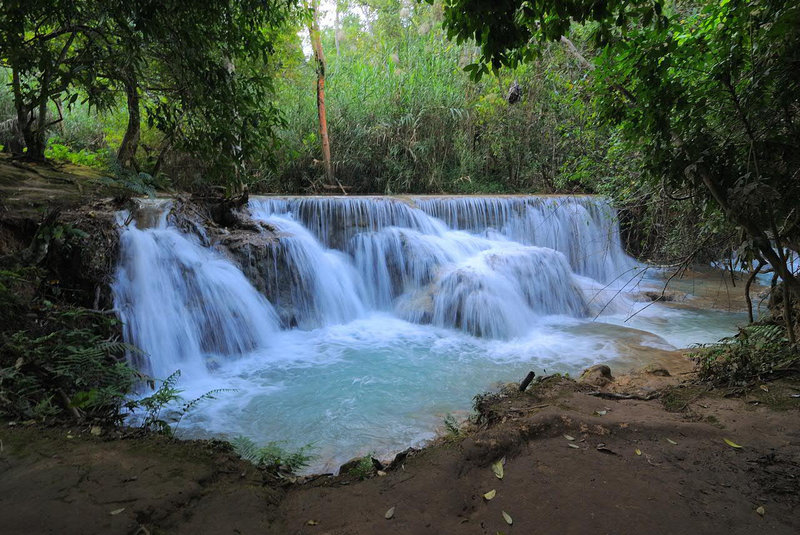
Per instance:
(272,455)
(70,364)
(757,352)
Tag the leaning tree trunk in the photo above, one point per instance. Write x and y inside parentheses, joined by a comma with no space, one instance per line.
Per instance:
(130,142)
(319,60)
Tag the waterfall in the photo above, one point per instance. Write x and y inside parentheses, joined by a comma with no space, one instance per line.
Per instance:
(183,304)
(356,323)
(324,287)
(491,267)
(487,265)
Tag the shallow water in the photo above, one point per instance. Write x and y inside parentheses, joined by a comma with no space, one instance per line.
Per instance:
(405,312)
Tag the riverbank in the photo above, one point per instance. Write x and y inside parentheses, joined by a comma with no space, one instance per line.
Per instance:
(574,463)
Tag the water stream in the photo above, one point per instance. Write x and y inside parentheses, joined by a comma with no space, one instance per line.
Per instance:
(382,315)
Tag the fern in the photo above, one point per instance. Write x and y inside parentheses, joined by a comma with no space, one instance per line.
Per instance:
(271,455)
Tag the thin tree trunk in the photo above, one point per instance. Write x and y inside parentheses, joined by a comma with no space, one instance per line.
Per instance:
(34,125)
(130,142)
(23,120)
(787,314)
(319,60)
(747,285)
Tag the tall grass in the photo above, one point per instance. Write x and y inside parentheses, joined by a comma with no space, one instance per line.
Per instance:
(403,116)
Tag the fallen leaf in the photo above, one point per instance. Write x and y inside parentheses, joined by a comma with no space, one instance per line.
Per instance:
(568,437)
(574,446)
(760,510)
(672,442)
(312,523)
(764,388)
(731,443)
(117,511)
(489,495)
(389,514)
(96,430)
(497,468)
(507,518)
(638,451)
(381,473)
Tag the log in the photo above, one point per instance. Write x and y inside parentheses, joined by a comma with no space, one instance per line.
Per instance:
(525,382)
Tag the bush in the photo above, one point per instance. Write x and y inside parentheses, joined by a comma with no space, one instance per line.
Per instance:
(74,365)
(272,455)
(757,352)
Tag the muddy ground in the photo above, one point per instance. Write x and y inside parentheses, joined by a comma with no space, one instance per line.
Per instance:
(686,479)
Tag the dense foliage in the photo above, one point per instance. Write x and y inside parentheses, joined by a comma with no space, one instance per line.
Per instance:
(65,361)
(684,112)
(200,70)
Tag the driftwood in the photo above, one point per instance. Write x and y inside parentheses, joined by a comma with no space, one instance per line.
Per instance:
(525,382)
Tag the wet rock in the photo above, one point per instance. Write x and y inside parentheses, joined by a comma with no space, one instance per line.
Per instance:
(597,375)
(353,464)
(658,295)
(401,457)
(261,259)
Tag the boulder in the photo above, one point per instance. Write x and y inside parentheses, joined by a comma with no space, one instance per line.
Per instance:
(597,375)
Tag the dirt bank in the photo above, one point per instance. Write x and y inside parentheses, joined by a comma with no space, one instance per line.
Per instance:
(686,479)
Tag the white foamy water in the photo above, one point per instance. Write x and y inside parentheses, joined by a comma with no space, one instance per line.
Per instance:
(402,311)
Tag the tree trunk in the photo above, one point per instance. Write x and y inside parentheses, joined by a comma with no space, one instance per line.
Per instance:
(26,122)
(23,124)
(747,285)
(33,117)
(319,60)
(760,238)
(130,142)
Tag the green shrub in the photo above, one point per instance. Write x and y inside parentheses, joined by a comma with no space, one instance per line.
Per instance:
(74,367)
(272,455)
(755,353)
(58,151)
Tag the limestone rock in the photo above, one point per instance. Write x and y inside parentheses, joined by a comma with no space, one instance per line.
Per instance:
(597,375)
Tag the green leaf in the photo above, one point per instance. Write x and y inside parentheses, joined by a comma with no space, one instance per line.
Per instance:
(731,443)
(507,518)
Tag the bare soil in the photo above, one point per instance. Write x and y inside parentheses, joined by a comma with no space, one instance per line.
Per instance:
(686,479)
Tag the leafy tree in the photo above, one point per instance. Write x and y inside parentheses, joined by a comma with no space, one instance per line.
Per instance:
(204,69)
(708,94)
(46,44)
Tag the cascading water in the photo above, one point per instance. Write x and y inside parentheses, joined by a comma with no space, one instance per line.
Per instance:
(392,312)
(182,304)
